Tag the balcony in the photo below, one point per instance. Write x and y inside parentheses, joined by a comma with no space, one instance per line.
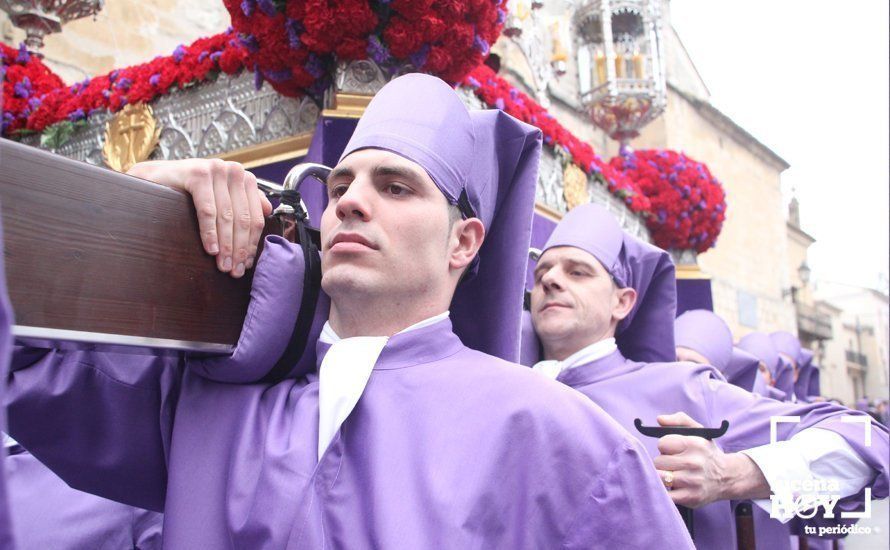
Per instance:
(856,358)
(811,324)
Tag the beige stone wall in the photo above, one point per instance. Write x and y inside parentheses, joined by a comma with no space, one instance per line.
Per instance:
(798,244)
(835,378)
(871,310)
(124,33)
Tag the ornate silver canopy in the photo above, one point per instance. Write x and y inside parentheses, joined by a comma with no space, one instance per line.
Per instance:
(620,64)
(41,17)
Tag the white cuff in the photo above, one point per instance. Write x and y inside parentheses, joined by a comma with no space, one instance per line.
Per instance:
(813,461)
(783,466)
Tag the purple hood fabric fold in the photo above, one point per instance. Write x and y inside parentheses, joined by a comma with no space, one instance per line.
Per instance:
(786,343)
(705,332)
(805,369)
(743,369)
(761,346)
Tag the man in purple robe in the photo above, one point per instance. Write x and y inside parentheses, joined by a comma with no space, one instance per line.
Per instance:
(603,307)
(406,437)
(47,513)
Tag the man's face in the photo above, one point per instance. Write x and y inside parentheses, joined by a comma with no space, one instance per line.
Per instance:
(385,229)
(574,302)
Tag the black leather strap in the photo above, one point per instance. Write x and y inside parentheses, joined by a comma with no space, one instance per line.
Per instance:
(309,242)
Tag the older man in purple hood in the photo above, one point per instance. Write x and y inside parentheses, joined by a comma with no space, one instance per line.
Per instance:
(603,306)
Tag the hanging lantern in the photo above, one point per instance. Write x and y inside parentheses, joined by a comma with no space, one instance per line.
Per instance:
(620,64)
(41,17)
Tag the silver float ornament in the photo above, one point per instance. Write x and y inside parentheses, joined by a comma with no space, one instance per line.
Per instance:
(41,17)
(621,64)
(540,43)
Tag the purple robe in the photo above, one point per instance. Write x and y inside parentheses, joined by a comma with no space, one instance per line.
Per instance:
(6,533)
(447,447)
(627,390)
(47,513)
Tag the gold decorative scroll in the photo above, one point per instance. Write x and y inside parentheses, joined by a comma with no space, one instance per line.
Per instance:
(347,105)
(130,137)
(574,186)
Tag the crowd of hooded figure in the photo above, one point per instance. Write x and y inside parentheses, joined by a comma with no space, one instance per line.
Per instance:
(431,409)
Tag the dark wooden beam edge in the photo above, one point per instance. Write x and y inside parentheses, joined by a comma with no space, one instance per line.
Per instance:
(116,258)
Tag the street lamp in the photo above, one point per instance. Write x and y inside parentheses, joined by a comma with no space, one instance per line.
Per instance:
(803,271)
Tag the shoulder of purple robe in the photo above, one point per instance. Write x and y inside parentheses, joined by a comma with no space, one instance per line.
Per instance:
(750,415)
(625,500)
(641,512)
(276,293)
(101,421)
(558,466)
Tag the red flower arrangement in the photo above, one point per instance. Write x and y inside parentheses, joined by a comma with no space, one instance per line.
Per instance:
(498,93)
(25,80)
(294,43)
(200,61)
(688,204)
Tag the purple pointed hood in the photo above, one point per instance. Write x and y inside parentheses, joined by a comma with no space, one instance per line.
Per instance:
(743,369)
(485,162)
(705,332)
(647,333)
(815,389)
(761,346)
(805,372)
(785,377)
(786,343)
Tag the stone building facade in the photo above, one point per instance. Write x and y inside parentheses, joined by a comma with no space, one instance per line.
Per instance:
(864,318)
